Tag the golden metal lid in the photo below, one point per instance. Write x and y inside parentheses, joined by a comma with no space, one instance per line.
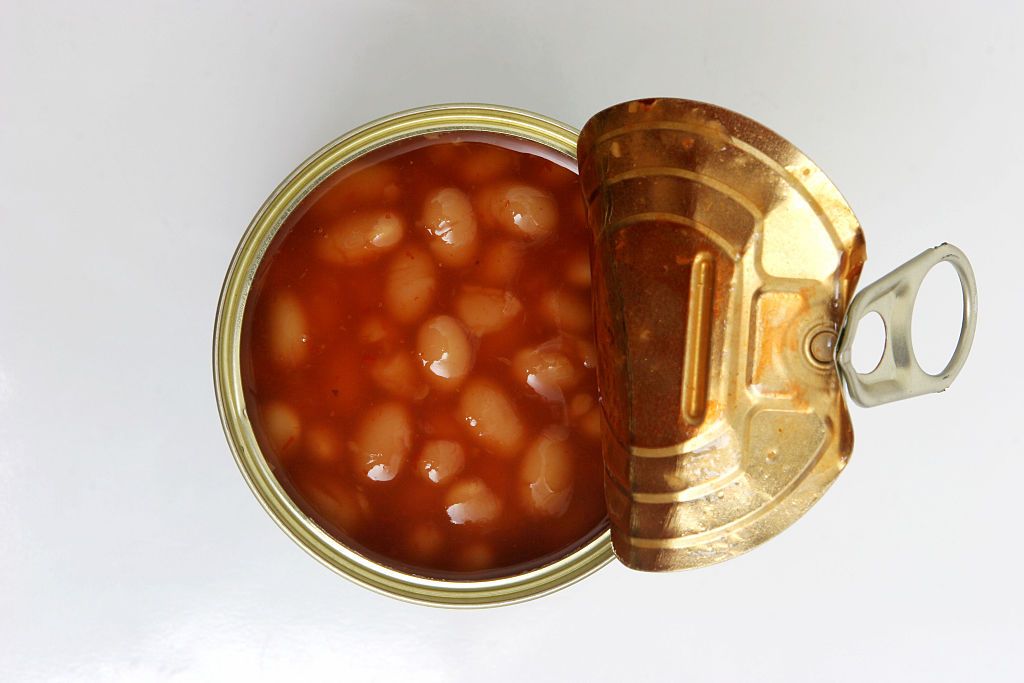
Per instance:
(724,264)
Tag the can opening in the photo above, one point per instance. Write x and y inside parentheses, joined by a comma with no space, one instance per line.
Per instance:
(418,352)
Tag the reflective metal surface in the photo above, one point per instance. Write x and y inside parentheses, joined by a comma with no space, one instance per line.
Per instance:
(724,263)
(898,375)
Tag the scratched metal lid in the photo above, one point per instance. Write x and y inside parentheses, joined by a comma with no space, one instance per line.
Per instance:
(724,266)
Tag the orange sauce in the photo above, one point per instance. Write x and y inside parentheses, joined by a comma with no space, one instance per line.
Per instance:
(418,357)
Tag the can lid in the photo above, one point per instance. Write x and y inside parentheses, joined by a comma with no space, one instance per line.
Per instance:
(724,263)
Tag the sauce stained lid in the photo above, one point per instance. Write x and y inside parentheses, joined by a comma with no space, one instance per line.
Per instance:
(724,267)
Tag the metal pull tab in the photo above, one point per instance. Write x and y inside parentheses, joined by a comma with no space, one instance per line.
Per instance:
(898,374)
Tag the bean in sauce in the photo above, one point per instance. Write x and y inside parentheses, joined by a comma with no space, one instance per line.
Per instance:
(418,357)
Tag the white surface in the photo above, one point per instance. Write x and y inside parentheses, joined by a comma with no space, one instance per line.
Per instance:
(137,140)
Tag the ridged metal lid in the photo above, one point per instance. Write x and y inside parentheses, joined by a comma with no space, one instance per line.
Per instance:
(724,263)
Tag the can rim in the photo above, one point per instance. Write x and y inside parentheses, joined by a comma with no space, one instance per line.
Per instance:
(227,368)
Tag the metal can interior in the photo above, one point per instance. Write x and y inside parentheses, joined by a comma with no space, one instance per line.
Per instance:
(227,367)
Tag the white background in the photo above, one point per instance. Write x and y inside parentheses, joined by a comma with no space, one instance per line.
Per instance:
(136,142)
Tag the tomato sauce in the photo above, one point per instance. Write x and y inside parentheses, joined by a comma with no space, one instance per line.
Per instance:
(418,357)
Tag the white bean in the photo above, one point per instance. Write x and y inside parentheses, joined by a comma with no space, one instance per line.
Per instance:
(471,502)
(372,187)
(486,163)
(546,474)
(376,331)
(490,417)
(363,237)
(383,441)
(445,154)
(425,541)
(322,444)
(567,311)
(410,285)
(522,210)
(373,184)
(441,460)
(476,557)
(451,223)
(486,310)
(283,427)
(343,508)
(580,405)
(546,370)
(289,331)
(397,375)
(445,350)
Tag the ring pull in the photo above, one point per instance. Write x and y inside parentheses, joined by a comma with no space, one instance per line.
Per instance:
(898,374)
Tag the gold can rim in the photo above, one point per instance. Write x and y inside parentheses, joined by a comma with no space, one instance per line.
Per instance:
(227,368)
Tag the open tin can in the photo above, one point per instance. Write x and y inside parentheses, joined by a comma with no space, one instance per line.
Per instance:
(561,139)
(723,435)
